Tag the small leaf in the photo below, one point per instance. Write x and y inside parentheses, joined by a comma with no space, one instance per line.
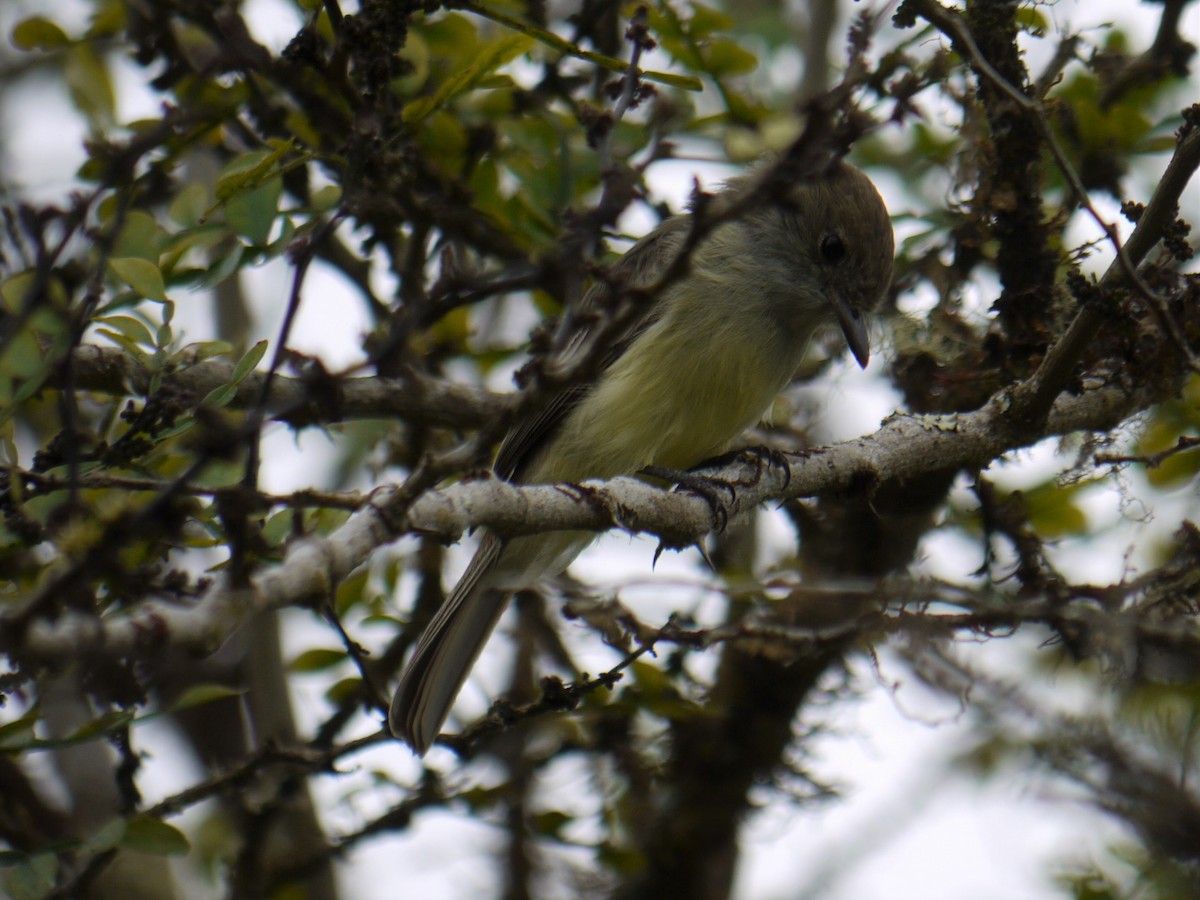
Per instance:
(32,878)
(550,39)
(247,363)
(318,659)
(326,198)
(106,837)
(224,266)
(705,20)
(481,799)
(343,691)
(15,291)
(220,397)
(134,329)
(141,275)
(87,76)
(200,694)
(724,57)
(205,350)
(350,591)
(39,34)
(252,213)
(1033,20)
(189,205)
(248,171)
(106,724)
(279,527)
(489,58)
(140,236)
(155,837)
(19,734)
(551,823)
(23,357)
(129,346)
(624,861)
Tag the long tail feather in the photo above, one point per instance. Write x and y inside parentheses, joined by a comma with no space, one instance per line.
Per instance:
(446,652)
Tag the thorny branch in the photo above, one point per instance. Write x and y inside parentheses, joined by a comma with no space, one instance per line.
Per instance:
(1032,402)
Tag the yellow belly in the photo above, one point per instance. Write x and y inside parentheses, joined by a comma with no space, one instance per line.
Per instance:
(673,399)
(668,402)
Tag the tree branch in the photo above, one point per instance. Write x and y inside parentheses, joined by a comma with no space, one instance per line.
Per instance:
(1032,398)
(415,398)
(903,447)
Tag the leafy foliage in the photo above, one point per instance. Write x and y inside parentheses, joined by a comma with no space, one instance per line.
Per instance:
(452,175)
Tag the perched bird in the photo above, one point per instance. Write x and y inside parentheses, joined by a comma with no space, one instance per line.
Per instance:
(704,363)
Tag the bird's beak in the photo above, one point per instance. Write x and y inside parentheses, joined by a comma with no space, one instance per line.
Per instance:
(854,328)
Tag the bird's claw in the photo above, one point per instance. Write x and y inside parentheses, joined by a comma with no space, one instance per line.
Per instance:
(708,489)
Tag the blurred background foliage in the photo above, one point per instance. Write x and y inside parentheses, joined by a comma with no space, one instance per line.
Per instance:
(454,173)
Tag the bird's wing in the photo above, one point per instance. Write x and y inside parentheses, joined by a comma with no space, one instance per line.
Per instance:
(639,266)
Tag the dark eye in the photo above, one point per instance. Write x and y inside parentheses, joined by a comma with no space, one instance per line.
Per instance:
(832,248)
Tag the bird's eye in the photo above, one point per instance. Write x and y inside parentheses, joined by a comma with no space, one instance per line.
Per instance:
(833,248)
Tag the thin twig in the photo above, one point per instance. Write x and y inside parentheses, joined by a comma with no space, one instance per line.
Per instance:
(1150,460)
(952,25)
(1033,398)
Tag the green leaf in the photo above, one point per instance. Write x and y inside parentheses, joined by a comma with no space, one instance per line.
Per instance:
(481,799)
(1053,511)
(445,141)
(351,590)
(659,694)
(343,691)
(1032,20)
(550,39)
(224,266)
(489,58)
(449,36)
(220,397)
(189,205)
(705,20)
(279,527)
(326,198)
(132,328)
(252,213)
(205,350)
(247,363)
(23,357)
(286,237)
(15,291)
(129,345)
(200,694)
(108,20)
(248,171)
(33,878)
(724,57)
(141,275)
(38,33)
(624,861)
(551,823)
(87,77)
(317,660)
(106,724)
(19,734)
(140,236)
(106,837)
(155,837)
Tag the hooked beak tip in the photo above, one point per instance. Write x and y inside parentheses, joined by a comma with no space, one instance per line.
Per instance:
(854,329)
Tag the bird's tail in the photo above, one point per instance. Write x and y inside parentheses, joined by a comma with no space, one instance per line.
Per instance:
(446,652)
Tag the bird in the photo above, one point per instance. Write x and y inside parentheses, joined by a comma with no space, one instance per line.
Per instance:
(704,362)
